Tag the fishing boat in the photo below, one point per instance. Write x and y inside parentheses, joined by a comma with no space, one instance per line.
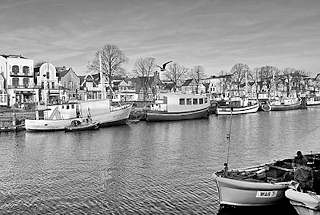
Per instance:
(286,104)
(57,117)
(306,200)
(173,106)
(82,125)
(260,185)
(313,100)
(238,105)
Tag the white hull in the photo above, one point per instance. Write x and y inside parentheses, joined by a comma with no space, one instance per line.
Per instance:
(237,110)
(244,193)
(304,203)
(117,116)
(313,103)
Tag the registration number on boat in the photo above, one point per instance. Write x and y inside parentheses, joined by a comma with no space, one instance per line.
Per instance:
(266,194)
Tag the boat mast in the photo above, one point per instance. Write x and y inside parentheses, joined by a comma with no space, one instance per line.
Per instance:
(103,89)
(229,137)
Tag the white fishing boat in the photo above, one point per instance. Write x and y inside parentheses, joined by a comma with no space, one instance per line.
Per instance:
(57,117)
(173,106)
(313,100)
(238,105)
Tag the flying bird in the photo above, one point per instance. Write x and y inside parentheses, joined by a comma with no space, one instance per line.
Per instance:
(163,68)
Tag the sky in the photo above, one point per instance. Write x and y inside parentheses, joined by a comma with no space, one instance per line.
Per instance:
(215,34)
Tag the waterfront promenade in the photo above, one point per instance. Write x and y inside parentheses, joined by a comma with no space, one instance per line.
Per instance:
(146,167)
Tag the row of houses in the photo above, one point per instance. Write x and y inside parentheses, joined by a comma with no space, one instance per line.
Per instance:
(22,84)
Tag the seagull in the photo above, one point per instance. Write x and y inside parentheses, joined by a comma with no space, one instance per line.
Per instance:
(163,68)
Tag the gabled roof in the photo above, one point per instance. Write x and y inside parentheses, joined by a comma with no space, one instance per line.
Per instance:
(187,82)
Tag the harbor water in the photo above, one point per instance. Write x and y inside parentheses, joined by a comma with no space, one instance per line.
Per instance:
(144,168)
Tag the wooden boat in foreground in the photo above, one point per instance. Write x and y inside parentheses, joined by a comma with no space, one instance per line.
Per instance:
(82,125)
(255,186)
(179,107)
(260,185)
(238,106)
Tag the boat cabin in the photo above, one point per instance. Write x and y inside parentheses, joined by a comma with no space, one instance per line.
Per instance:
(180,103)
(56,112)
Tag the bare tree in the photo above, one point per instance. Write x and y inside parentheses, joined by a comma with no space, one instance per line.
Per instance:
(112,59)
(197,74)
(144,69)
(176,74)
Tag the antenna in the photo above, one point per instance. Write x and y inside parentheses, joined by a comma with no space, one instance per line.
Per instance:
(229,136)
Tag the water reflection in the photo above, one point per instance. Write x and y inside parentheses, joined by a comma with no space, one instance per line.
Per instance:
(145,167)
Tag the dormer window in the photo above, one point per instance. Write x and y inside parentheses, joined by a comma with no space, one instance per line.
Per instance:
(15,69)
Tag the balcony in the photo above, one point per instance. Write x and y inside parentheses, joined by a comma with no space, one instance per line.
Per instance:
(27,75)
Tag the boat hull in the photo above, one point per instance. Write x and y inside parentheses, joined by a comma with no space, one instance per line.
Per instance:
(315,103)
(304,203)
(165,116)
(93,126)
(237,110)
(296,106)
(115,117)
(244,193)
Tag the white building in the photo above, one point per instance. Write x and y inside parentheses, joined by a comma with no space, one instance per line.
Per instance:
(47,81)
(19,80)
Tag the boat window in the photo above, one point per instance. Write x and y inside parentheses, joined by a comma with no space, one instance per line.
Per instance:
(72,106)
(182,101)
(195,101)
(201,101)
(189,101)
(67,106)
(205,100)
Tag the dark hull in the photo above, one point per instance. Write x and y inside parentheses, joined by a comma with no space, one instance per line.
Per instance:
(287,107)
(82,128)
(114,123)
(164,116)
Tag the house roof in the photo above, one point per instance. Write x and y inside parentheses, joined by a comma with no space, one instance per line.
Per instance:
(12,56)
(187,82)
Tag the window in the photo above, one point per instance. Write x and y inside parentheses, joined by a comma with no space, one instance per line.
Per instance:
(195,101)
(62,107)
(48,75)
(189,101)
(72,106)
(25,82)
(182,101)
(42,85)
(15,82)
(201,101)
(67,106)
(15,69)
(26,70)
(52,85)
(206,100)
